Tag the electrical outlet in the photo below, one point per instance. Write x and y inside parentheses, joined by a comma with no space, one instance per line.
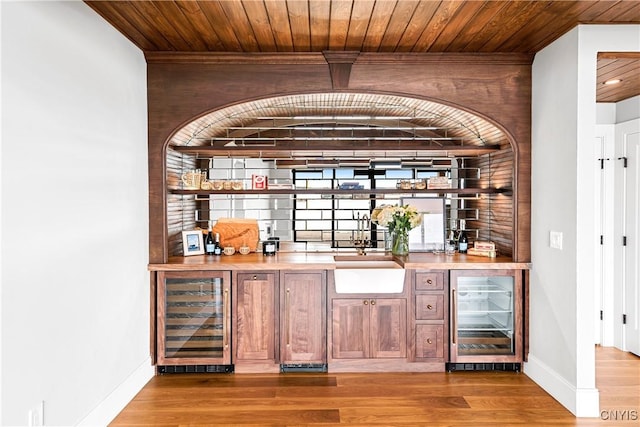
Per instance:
(36,415)
(555,239)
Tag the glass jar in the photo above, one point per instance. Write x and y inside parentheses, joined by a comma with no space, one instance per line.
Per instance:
(400,242)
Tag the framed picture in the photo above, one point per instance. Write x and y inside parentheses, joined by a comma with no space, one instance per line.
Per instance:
(432,230)
(192,242)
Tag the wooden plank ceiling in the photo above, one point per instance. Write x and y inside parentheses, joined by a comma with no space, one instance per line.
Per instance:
(252,26)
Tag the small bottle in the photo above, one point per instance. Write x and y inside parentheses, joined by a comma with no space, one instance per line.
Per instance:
(463,242)
(209,243)
(217,249)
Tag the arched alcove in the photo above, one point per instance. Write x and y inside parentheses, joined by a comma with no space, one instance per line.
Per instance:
(281,136)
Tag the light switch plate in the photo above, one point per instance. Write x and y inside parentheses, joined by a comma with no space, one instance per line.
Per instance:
(555,239)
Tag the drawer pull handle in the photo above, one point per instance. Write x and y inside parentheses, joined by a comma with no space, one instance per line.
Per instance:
(429,307)
(255,277)
(429,341)
(429,281)
(225,311)
(454,317)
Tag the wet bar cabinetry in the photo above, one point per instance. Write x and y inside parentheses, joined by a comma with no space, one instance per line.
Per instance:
(236,97)
(284,313)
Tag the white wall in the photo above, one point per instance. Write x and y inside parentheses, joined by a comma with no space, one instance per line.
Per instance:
(562,357)
(628,109)
(75,290)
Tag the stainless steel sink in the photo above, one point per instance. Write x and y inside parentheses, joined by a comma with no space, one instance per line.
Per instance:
(368,274)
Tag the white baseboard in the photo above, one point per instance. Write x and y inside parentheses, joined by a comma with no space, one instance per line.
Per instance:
(115,402)
(582,402)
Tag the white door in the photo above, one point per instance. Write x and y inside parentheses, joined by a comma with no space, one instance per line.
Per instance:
(632,247)
(604,163)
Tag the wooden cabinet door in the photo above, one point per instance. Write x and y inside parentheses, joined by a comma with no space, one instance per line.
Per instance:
(303,330)
(369,328)
(350,328)
(254,298)
(388,327)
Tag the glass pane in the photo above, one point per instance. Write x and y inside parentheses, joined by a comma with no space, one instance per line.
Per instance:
(399,173)
(194,318)
(344,173)
(485,315)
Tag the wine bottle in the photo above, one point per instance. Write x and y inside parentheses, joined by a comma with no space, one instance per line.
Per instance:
(463,242)
(209,244)
(217,249)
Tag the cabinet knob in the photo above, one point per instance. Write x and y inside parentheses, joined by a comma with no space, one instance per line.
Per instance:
(255,277)
(429,307)
(429,341)
(429,281)
(373,302)
(365,302)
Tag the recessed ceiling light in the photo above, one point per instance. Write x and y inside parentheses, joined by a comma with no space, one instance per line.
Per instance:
(612,82)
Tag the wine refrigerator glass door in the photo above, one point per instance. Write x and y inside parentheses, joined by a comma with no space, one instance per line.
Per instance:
(486,316)
(194,318)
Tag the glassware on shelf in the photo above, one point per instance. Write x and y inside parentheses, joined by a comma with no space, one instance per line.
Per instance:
(450,248)
(192,179)
(404,184)
(420,184)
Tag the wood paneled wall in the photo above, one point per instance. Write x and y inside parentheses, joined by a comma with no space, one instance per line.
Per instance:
(496,216)
(182,87)
(180,209)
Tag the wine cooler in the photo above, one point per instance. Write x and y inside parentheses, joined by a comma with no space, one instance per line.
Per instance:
(486,320)
(194,318)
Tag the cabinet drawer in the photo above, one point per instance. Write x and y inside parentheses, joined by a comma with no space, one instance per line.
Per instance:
(430,307)
(429,341)
(257,277)
(430,281)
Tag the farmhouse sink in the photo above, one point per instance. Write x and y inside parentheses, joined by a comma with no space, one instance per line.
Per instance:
(365,261)
(368,274)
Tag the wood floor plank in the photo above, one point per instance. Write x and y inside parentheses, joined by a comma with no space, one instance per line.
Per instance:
(374,400)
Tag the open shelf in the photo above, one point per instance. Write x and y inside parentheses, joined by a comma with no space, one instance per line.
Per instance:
(344,192)
(280,148)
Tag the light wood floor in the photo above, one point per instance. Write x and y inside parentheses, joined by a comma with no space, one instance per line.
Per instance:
(440,399)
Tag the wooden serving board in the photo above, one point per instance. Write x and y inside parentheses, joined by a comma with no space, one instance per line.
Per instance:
(238,232)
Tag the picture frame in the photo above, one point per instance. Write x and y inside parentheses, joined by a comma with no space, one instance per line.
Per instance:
(192,242)
(431,231)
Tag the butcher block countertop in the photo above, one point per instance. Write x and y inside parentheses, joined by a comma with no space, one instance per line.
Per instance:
(325,261)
